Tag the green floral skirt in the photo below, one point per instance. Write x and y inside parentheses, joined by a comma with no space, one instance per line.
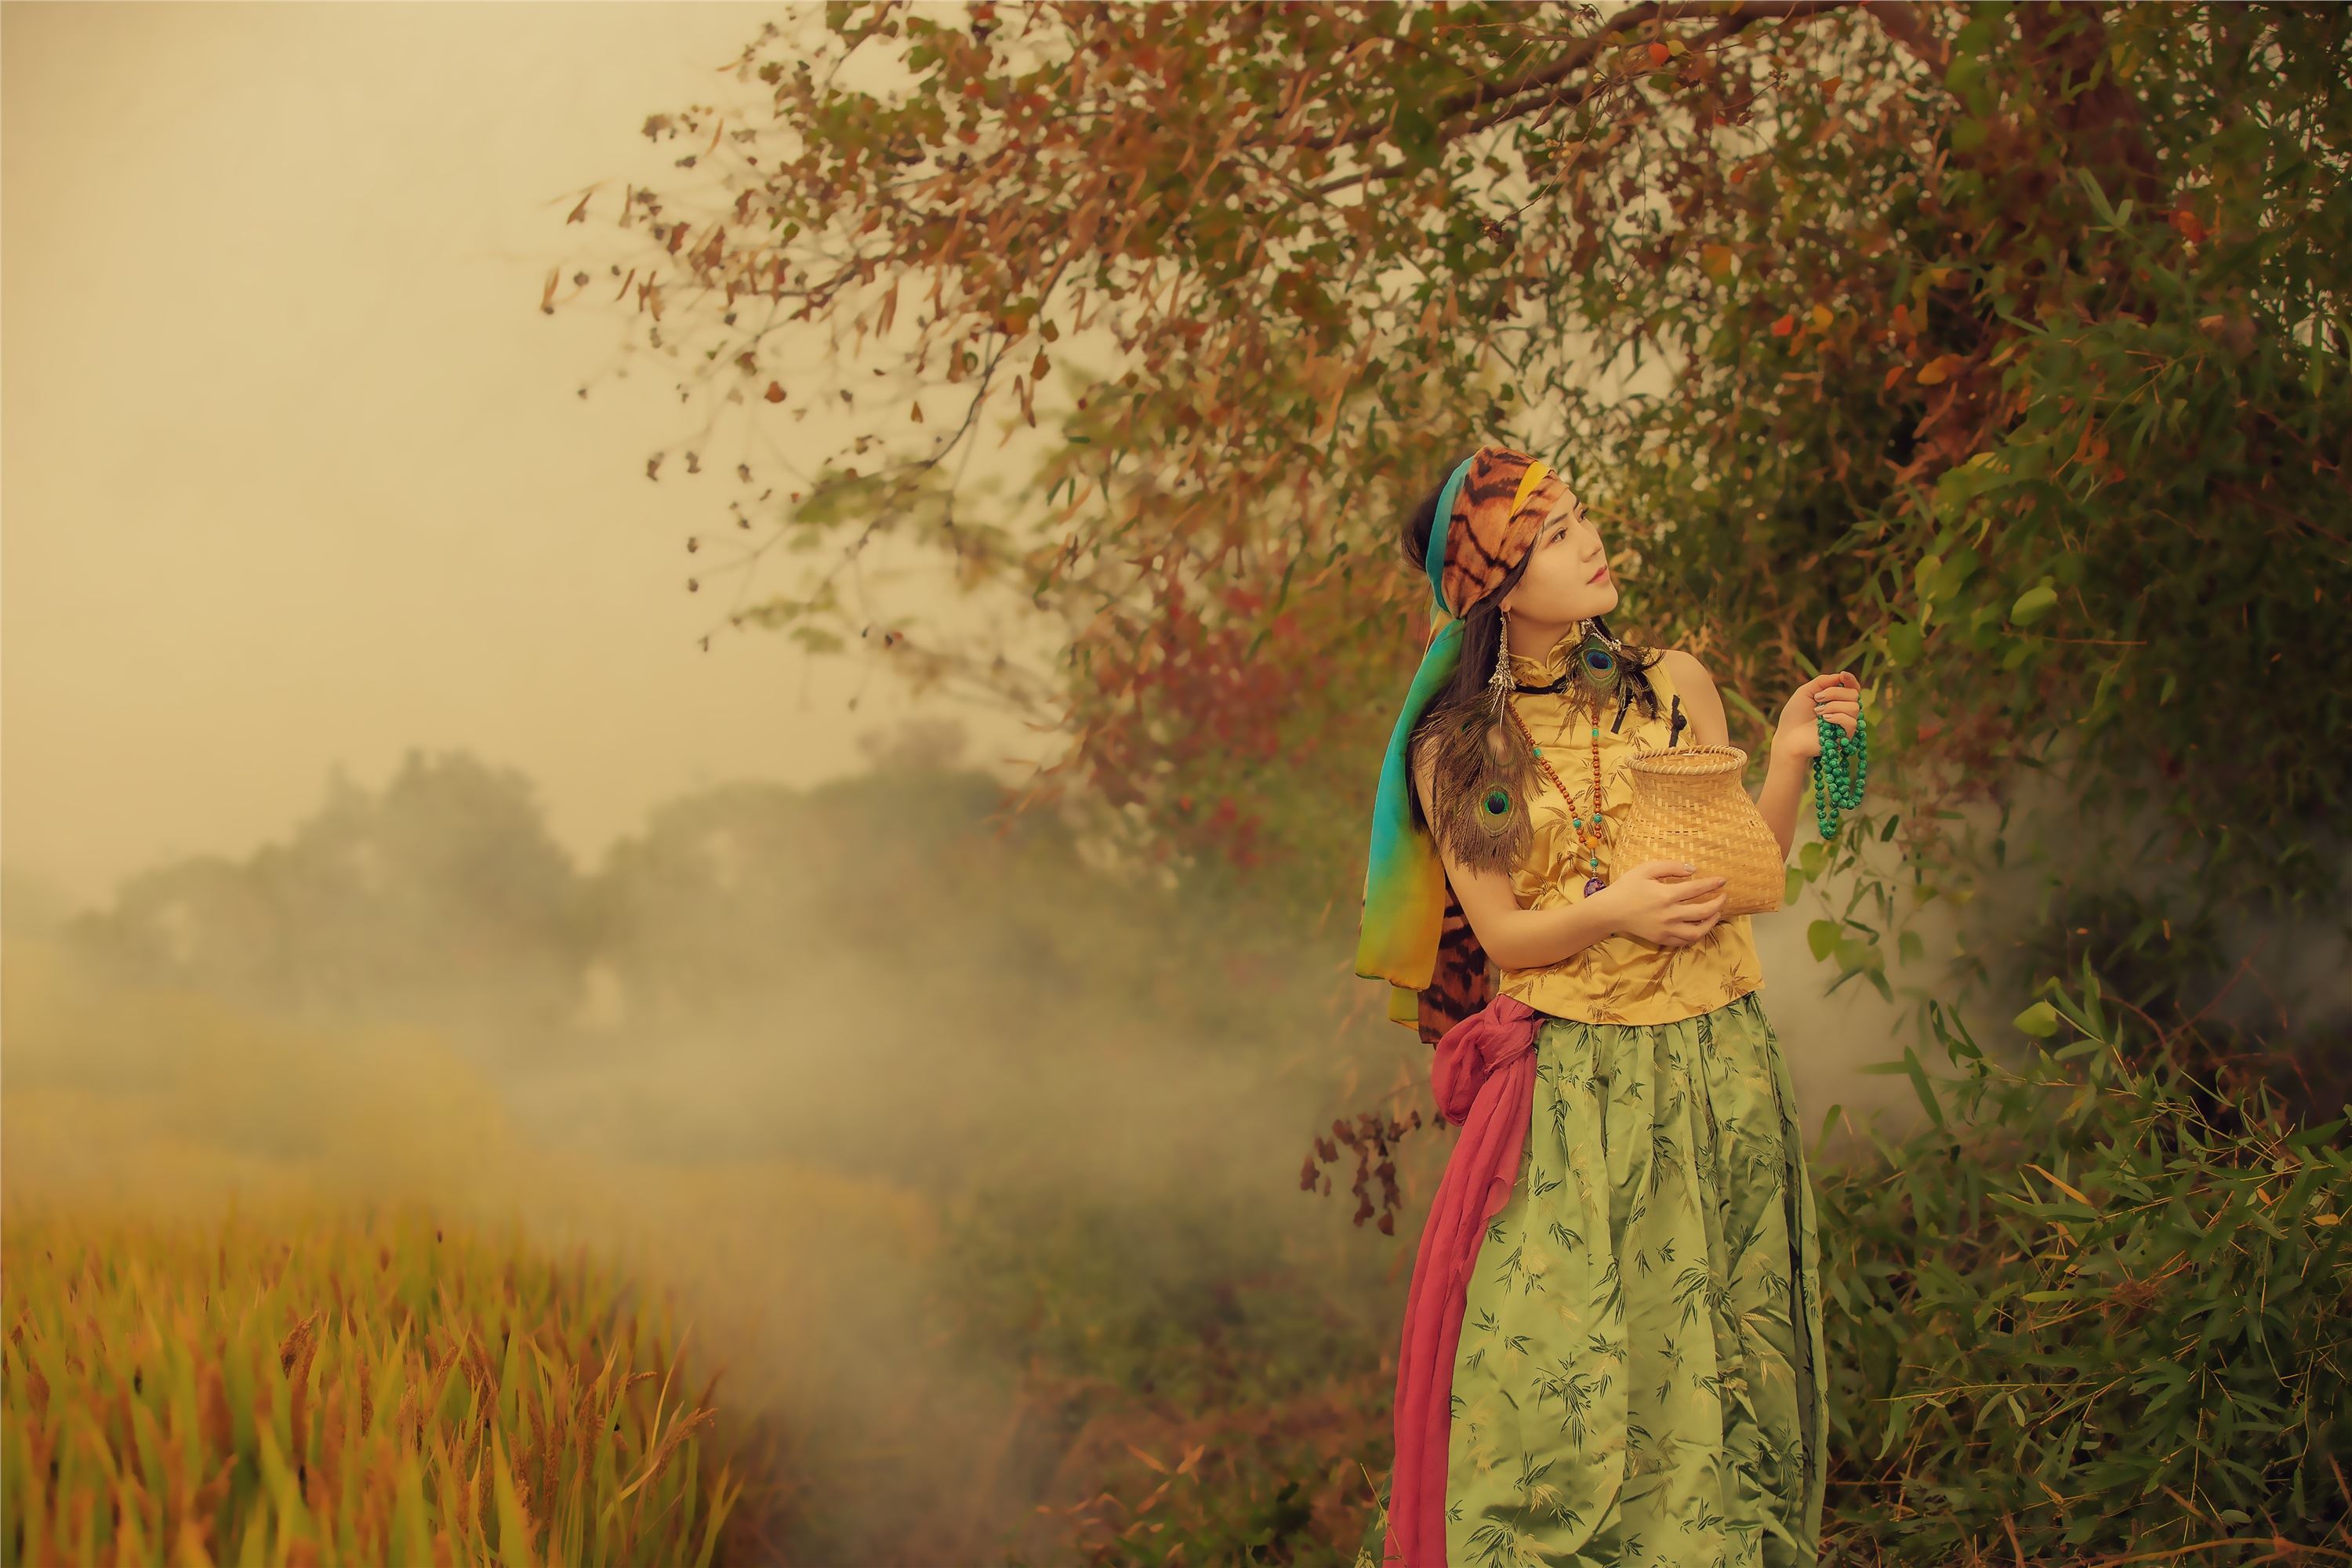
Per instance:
(1638,1379)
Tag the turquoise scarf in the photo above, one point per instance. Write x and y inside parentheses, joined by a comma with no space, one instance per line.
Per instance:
(1404,882)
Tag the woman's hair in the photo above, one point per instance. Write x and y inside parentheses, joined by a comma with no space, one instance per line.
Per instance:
(1464,697)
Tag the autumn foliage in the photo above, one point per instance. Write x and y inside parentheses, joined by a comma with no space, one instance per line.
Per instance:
(1998,348)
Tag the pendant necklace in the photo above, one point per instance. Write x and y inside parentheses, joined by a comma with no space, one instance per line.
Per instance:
(1587,830)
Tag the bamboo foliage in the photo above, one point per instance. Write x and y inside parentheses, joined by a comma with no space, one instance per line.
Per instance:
(2091,1307)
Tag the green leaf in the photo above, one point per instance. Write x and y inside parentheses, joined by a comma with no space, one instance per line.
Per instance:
(1821,936)
(1911,1065)
(2099,204)
(514,1528)
(411,1527)
(2041,1020)
(2096,1019)
(1899,1420)
(2032,605)
(1925,575)
(2311,1135)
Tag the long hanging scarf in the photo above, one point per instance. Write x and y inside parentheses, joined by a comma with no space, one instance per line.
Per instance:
(1489,514)
(1483,1077)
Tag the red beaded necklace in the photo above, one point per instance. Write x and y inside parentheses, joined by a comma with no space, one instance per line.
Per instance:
(1587,830)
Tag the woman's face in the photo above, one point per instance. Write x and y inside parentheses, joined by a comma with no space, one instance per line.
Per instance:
(1561,585)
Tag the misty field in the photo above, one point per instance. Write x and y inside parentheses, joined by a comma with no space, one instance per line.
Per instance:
(976,1249)
(974,1179)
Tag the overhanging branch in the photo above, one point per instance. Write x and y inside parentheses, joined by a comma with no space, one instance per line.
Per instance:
(1543,89)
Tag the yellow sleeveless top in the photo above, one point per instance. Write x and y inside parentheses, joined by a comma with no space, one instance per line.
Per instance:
(1620,979)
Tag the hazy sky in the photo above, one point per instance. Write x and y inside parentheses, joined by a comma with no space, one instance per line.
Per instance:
(295,469)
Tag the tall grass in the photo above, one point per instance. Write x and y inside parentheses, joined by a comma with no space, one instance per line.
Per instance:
(381,1390)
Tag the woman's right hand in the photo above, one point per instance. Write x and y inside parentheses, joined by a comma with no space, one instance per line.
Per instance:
(1663,903)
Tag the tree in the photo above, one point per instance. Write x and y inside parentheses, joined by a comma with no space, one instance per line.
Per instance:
(1999,348)
(443,898)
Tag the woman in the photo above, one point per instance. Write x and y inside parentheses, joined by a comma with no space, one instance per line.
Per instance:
(1612,1344)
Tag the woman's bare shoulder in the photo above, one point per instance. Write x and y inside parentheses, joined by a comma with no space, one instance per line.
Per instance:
(1682,667)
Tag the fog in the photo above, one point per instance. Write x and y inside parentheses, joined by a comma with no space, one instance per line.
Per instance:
(869,1083)
(375,825)
(297,474)
(895,1092)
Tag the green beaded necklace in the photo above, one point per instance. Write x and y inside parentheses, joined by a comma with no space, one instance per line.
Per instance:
(1839,772)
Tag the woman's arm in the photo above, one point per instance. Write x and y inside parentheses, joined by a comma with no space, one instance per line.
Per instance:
(1516,938)
(1784,777)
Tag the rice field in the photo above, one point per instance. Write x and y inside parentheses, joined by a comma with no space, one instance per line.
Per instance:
(378,1389)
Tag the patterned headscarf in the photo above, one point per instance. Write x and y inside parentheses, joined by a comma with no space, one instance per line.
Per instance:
(1489,514)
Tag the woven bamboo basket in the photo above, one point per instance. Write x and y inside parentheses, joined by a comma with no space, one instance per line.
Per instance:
(1688,806)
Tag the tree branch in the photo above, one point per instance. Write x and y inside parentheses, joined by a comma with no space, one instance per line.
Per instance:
(1529,91)
(1730,19)
(1901,21)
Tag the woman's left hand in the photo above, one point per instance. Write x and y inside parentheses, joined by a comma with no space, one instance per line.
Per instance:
(1836,697)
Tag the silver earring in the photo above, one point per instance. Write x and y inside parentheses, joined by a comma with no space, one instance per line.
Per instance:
(1499,685)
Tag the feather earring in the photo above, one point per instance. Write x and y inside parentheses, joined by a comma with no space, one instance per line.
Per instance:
(1597,660)
(1488,827)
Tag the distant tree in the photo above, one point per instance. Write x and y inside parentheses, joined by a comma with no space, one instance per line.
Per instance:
(918,881)
(443,897)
